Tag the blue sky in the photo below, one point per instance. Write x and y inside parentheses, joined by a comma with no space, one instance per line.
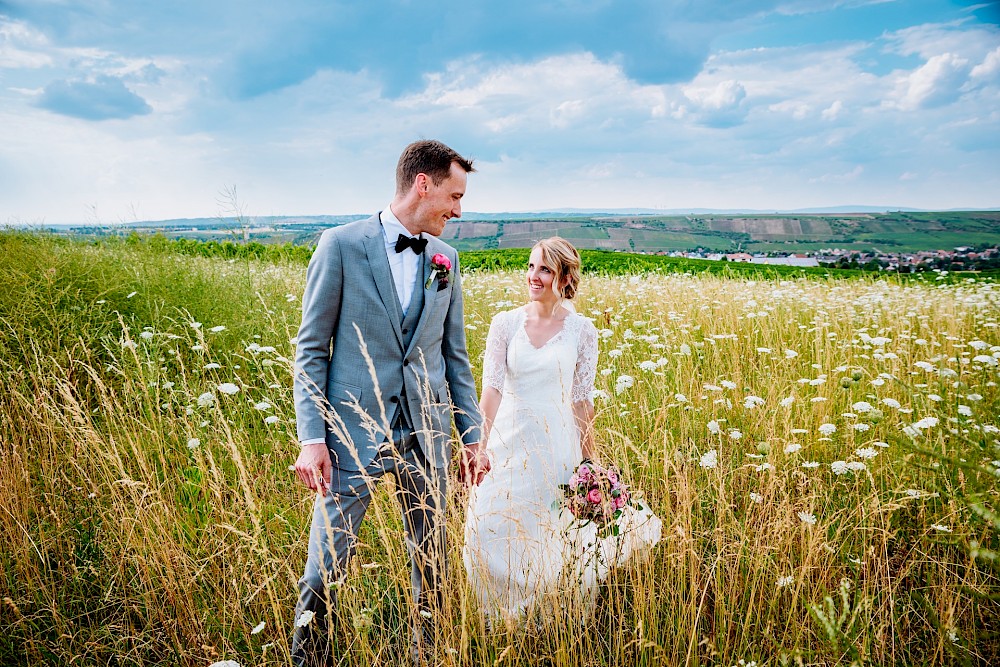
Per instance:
(120,110)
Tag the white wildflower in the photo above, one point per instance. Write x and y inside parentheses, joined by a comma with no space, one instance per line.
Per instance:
(827,429)
(304,619)
(839,467)
(810,464)
(792,447)
(257,629)
(735,434)
(219,328)
(751,402)
(942,529)
(228,388)
(866,452)
(787,401)
(194,443)
(263,405)
(807,518)
(756,497)
(784,582)
(714,428)
(206,400)
(791,354)
(709,459)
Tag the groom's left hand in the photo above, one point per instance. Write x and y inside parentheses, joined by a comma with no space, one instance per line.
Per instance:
(474,464)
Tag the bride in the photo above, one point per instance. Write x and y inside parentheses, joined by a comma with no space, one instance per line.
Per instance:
(538,374)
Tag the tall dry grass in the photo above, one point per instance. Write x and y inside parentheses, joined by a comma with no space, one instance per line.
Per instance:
(148,517)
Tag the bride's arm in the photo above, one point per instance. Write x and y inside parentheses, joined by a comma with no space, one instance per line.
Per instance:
(494,374)
(584,413)
(583,385)
(488,405)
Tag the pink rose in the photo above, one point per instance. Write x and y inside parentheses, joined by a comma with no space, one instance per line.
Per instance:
(595,496)
(441,260)
(620,502)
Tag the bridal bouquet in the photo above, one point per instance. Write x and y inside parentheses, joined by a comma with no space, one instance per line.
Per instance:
(595,493)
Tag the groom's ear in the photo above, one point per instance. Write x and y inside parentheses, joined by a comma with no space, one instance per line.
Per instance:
(422,184)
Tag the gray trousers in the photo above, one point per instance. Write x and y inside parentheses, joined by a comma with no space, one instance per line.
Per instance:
(333,536)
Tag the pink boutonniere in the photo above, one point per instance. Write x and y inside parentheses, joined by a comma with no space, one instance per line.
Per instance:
(440,269)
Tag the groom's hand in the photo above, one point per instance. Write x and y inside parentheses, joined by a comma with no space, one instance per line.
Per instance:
(474,464)
(313,467)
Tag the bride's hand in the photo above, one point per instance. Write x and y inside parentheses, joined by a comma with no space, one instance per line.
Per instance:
(474,464)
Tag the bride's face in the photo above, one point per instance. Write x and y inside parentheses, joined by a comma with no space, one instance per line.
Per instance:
(540,278)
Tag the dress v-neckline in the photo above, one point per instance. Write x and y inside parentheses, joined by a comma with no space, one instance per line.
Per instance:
(524,328)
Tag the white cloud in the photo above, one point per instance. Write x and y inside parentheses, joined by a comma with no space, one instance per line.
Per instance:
(989,68)
(847,177)
(933,39)
(832,111)
(22,47)
(937,82)
(558,92)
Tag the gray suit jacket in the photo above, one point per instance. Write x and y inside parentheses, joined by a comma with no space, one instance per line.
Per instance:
(349,284)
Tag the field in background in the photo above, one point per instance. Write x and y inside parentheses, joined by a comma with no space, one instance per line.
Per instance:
(890,232)
(823,453)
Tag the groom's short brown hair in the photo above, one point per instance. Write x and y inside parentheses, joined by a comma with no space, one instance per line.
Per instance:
(427,157)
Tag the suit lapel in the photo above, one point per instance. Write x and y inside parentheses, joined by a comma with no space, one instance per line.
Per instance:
(429,293)
(382,275)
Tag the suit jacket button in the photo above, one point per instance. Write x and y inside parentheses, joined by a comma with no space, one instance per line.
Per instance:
(394,399)
(406,362)
(406,331)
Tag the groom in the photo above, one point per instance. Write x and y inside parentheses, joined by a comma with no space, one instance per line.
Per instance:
(380,370)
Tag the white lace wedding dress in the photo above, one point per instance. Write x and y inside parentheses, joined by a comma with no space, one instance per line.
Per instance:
(517,542)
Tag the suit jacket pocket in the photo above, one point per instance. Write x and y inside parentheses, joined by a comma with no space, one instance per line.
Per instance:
(341,393)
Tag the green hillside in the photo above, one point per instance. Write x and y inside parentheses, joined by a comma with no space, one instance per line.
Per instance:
(896,232)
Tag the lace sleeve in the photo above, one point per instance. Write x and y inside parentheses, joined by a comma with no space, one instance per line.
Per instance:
(495,358)
(586,363)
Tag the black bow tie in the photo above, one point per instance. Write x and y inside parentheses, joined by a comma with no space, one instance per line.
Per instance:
(415,244)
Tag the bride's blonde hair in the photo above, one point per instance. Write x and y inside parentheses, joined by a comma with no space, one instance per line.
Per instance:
(560,255)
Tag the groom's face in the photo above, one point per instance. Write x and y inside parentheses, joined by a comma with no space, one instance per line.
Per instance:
(443,201)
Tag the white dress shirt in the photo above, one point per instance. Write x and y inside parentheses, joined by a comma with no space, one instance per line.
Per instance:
(404,264)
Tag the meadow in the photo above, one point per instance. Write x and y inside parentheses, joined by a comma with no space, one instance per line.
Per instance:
(823,452)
